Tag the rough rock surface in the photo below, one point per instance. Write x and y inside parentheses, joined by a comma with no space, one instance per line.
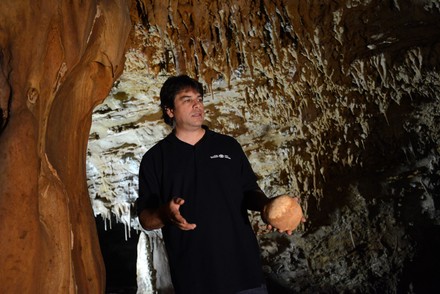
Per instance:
(336,103)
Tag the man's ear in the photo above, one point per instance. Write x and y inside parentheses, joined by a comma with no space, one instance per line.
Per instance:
(170,112)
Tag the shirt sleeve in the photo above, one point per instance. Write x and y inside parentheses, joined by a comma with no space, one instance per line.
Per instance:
(149,182)
(249,179)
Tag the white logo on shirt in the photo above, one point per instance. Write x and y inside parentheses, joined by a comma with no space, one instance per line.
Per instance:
(222,156)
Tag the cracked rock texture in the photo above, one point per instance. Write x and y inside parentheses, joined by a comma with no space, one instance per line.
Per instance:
(334,102)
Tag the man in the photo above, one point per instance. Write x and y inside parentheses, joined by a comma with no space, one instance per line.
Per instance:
(197,185)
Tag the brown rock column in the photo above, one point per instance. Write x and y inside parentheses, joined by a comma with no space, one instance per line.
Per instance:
(58,60)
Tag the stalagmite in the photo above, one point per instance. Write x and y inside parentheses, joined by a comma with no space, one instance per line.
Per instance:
(58,60)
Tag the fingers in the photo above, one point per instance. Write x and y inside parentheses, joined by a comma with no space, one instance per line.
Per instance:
(179,221)
(175,204)
(269,228)
(176,218)
(287,232)
(178,201)
(186,226)
(264,229)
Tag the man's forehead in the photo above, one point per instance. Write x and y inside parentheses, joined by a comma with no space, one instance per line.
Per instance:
(187,92)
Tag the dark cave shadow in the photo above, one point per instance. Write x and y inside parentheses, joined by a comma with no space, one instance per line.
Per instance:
(387,158)
(119,256)
(381,155)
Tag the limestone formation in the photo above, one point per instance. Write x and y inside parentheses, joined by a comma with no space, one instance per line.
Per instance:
(58,60)
(335,102)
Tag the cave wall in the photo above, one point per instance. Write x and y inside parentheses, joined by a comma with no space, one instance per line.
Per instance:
(58,60)
(336,103)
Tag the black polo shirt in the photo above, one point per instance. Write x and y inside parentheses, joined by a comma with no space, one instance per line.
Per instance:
(221,255)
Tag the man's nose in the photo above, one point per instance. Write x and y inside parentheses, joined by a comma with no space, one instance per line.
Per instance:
(197,103)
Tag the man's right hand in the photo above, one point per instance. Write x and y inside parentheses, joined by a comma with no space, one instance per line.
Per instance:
(167,214)
(172,215)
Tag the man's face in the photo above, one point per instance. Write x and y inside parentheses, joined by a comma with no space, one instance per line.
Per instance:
(188,112)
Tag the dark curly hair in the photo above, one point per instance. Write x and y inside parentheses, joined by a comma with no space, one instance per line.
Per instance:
(171,87)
